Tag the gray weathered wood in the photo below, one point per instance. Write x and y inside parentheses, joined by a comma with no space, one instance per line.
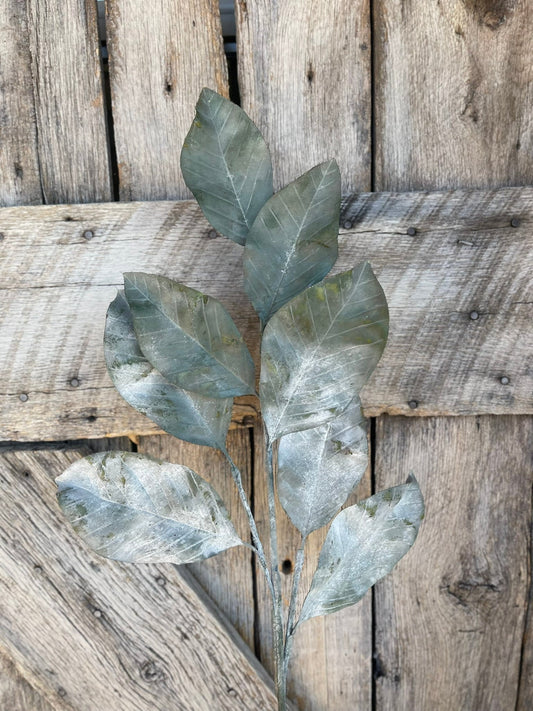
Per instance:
(16,693)
(61,267)
(453,94)
(304,78)
(450,617)
(227,577)
(67,84)
(159,60)
(19,163)
(139,636)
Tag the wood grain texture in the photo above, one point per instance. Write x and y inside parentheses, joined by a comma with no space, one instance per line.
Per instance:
(19,162)
(304,79)
(16,693)
(331,660)
(450,617)
(454,89)
(92,633)
(158,63)
(60,282)
(227,578)
(67,85)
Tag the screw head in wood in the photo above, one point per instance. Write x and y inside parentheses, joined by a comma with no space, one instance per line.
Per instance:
(413,404)
(212,234)
(23,397)
(161,581)
(504,380)
(474,315)
(515,222)
(411,231)
(348,225)
(88,234)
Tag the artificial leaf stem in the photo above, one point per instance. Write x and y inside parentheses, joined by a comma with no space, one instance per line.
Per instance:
(258,546)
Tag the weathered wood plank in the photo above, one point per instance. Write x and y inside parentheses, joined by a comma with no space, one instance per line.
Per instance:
(140,637)
(19,162)
(159,60)
(450,617)
(227,577)
(304,78)
(453,94)
(67,83)
(330,667)
(16,694)
(62,265)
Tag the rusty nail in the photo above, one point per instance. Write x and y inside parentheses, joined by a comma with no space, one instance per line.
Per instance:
(88,234)
(474,315)
(515,222)
(23,397)
(411,231)
(413,404)
(504,380)
(74,382)
(347,225)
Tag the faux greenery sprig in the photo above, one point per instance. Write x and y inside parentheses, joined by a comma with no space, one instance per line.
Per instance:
(175,355)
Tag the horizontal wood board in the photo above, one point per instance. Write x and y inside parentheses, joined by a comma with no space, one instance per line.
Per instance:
(62,265)
(140,628)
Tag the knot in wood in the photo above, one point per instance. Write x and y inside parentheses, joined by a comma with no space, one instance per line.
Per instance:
(151,672)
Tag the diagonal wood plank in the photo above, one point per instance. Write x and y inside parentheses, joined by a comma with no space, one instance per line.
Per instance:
(92,633)
(450,617)
(159,59)
(61,267)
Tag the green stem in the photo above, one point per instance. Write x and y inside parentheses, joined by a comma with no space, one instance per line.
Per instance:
(291,627)
(277,620)
(237,478)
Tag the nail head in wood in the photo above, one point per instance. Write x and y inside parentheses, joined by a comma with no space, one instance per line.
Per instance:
(474,315)
(161,581)
(212,234)
(515,222)
(504,380)
(88,234)
(411,231)
(75,382)
(413,404)
(348,225)
(97,612)
(61,692)
(23,397)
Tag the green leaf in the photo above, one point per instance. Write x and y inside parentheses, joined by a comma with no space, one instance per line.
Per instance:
(319,468)
(189,337)
(364,543)
(184,414)
(133,508)
(320,349)
(226,164)
(293,241)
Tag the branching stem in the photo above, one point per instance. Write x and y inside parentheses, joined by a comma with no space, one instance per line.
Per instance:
(291,627)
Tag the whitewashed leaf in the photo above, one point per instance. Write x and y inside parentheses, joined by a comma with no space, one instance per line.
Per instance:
(189,337)
(318,468)
(363,544)
(320,349)
(133,508)
(293,241)
(226,165)
(189,416)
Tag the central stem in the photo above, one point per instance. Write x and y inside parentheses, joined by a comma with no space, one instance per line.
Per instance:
(277,616)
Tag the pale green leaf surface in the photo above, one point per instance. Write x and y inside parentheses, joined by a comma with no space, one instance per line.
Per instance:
(363,544)
(189,416)
(226,164)
(293,241)
(320,349)
(133,508)
(318,468)
(188,337)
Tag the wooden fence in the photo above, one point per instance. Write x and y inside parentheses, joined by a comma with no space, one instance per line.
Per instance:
(434,96)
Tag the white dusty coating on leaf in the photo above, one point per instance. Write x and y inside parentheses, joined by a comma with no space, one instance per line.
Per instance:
(319,468)
(226,164)
(133,508)
(363,544)
(293,241)
(184,414)
(189,337)
(320,349)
